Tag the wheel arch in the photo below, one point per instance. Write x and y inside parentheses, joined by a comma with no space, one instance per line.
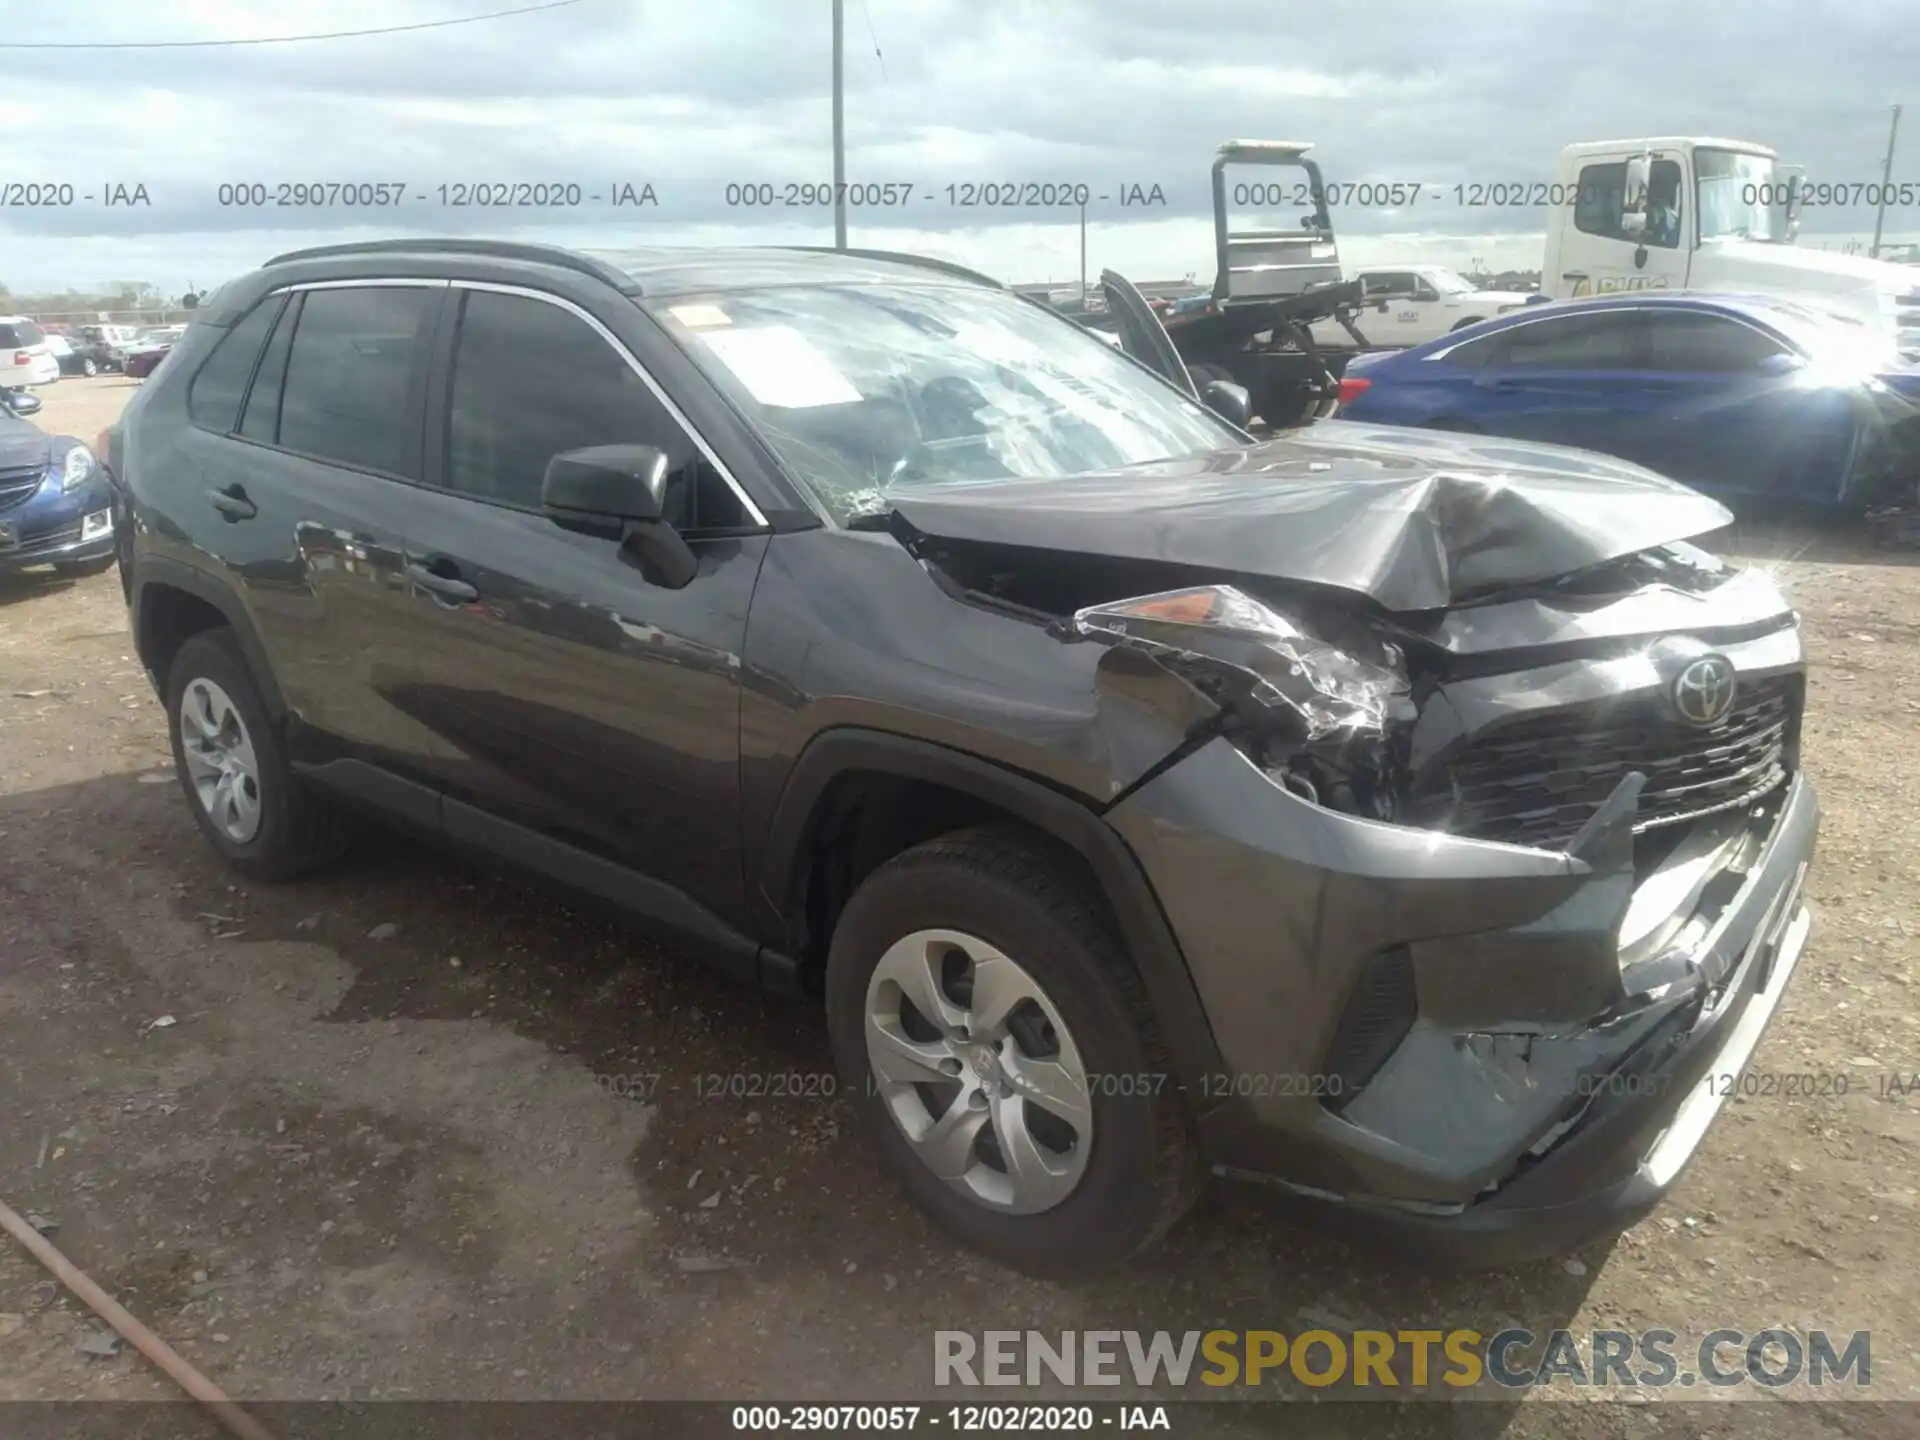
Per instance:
(851,764)
(171,602)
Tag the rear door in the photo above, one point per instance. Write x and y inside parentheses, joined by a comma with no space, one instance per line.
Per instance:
(1574,379)
(1734,425)
(1141,334)
(311,486)
(574,699)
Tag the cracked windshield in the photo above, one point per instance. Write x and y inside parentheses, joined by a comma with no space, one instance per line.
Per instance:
(864,390)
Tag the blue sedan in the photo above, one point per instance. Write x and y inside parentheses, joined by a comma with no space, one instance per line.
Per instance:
(1745,397)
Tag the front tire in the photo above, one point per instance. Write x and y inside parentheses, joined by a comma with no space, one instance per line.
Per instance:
(1004,1057)
(89,368)
(233,767)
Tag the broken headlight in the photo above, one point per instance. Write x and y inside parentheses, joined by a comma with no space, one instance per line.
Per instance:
(1217,633)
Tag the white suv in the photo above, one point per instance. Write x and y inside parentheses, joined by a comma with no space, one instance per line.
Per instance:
(25,357)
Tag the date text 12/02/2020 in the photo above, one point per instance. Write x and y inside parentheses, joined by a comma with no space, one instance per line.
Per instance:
(457,195)
(650,194)
(961,195)
(825,1085)
(645,1085)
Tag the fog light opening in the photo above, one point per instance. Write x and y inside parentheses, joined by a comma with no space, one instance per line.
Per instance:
(99,523)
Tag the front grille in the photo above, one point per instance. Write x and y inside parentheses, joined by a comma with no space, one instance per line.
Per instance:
(1538,779)
(17,483)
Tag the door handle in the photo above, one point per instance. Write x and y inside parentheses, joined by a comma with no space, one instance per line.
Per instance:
(445,587)
(232,502)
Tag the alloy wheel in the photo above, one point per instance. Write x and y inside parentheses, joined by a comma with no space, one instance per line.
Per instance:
(978,1071)
(220,761)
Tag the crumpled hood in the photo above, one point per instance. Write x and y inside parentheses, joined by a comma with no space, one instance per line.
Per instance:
(1415,519)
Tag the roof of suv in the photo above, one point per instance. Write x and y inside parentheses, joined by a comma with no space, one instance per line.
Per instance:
(669,270)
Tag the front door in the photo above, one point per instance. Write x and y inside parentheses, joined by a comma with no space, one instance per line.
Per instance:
(1141,334)
(573,697)
(1621,239)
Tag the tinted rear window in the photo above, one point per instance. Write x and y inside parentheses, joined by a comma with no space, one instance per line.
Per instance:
(20,332)
(213,399)
(262,420)
(1575,342)
(350,391)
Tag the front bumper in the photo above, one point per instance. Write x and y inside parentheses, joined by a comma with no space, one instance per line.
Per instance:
(1535,1075)
(53,528)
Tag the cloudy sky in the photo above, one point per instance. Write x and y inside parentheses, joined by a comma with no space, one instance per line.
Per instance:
(693,97)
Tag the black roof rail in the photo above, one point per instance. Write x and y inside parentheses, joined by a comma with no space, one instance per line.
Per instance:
(903,257)
(503,249)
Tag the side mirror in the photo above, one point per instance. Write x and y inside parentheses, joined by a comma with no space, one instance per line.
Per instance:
(21,403)
(1633,195)
(618,492)
(1229,401)
(1381,304)
(1781,362)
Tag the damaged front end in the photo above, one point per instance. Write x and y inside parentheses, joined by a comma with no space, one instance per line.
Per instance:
(1313,716)
(1473,800)
(1464,894)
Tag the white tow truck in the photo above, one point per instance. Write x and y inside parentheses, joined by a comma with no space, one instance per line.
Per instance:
(1697,213)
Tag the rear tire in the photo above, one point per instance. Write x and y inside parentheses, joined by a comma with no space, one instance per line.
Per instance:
(969,920)
(1286,407)
(228,754)
(89,368)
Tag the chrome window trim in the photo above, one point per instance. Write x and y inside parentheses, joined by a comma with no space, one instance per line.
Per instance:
(383,283)
(1757,329)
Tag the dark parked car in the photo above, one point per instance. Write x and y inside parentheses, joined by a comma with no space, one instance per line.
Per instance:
(84,356)
(1406,822)
(1751,397)
(143,356)
(55,505)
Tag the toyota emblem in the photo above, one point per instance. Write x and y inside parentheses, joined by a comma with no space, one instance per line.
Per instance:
(1703,692)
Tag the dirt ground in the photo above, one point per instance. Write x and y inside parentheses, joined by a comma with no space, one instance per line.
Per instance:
(410,1130)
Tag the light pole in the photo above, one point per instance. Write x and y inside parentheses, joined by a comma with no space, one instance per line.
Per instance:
(1083,254)
(1886,176)
(839,128)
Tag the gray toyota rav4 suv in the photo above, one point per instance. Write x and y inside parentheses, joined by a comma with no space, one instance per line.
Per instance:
(1405,820)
